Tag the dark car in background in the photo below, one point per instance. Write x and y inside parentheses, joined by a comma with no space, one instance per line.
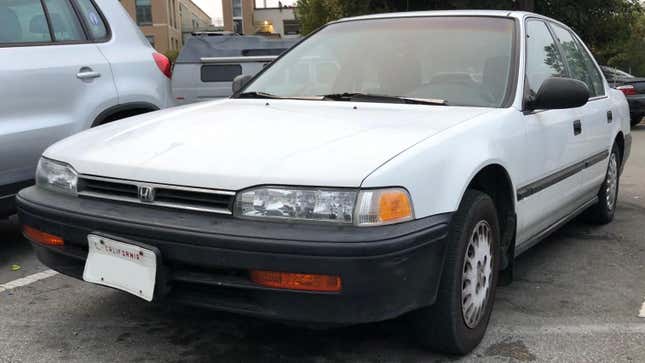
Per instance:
(633,88)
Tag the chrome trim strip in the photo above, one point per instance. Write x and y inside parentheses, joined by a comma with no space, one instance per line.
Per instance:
(138,184)
(560,175)
(229,60)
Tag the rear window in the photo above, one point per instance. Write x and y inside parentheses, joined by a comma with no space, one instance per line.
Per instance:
(220,72)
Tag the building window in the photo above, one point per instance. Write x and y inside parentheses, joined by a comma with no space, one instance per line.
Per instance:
(237,8)
(144,12)
(173,13)
(291,27)
(151,40)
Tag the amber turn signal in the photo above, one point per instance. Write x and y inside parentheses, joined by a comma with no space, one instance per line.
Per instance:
(296,281)
(394,205)
(42,237)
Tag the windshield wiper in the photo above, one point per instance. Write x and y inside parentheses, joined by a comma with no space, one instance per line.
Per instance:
(256,94)
(357,96)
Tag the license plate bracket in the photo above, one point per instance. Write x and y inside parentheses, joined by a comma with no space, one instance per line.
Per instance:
(122,264)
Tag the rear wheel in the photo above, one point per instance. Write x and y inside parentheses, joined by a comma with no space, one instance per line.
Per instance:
(456,323)
(603,211)
(636,120)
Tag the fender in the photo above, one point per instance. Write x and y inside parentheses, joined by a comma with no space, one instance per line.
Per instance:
(438,170)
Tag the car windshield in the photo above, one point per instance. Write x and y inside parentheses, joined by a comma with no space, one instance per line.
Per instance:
(460,60)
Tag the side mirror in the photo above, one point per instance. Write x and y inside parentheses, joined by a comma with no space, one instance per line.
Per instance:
(558,93)
(240,81)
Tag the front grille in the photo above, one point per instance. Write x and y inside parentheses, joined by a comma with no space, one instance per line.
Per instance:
(110,188)
(159,195)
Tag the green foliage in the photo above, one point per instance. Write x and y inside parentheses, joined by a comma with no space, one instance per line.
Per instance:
(598,22)
(629,55)
(315,13)
(172,55)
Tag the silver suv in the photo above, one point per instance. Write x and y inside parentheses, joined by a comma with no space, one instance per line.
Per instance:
(65,66)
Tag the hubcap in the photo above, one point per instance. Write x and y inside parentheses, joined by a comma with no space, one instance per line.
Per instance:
(612,182)
(477,274)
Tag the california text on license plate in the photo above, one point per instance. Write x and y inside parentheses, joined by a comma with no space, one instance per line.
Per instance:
(121,265)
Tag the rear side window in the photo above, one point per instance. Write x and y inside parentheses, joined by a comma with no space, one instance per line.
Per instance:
(220,72)
(64,23)
(543,58)
(581,67)
(23,22)
(96,26)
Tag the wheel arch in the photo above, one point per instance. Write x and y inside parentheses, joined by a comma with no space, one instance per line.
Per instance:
(123,110)
(620,141)
(494,180)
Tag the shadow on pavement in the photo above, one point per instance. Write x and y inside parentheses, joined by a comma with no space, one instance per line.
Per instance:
(15,250)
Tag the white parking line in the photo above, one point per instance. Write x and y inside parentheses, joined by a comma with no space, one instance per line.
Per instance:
(27,280)
(641,314)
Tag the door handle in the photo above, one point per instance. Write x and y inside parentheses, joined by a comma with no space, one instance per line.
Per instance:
(610,117)
(87,73)
(577,127)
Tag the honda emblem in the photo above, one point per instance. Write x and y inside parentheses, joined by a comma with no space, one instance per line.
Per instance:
(146,193)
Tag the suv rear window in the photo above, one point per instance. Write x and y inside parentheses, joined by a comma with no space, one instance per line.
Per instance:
(220,72)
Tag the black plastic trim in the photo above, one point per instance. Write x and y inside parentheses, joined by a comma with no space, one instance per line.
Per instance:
(123,107)
(560,175)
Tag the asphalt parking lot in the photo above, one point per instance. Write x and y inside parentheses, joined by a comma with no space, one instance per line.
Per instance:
(576,297)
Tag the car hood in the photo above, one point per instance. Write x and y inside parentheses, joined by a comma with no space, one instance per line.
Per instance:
(234,144)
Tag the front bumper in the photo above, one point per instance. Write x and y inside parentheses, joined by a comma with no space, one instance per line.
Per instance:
(386,271)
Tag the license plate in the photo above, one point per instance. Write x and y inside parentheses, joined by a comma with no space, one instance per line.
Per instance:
(120,265)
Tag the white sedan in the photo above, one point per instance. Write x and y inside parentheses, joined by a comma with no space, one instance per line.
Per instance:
(386,164)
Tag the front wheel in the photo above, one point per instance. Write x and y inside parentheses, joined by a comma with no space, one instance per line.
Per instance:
(456,323)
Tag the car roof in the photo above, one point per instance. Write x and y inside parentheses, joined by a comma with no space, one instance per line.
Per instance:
(496,13)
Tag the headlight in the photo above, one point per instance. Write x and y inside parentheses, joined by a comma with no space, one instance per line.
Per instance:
(56,176)
(324,205)
(345,206)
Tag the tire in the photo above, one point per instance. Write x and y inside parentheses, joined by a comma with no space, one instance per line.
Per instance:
(445,327)
(603,211)
(635,120)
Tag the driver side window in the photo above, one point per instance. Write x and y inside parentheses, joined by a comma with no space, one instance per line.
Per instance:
(543,59)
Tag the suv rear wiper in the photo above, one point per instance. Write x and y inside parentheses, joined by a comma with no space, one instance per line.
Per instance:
(383,98)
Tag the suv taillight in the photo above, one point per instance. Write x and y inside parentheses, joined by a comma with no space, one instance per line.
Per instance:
(163,63)
(628,90)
